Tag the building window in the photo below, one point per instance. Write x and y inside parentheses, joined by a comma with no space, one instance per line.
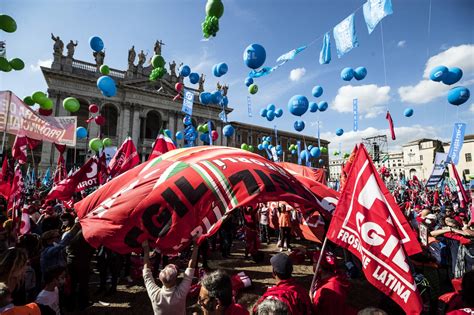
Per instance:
(239,138)
(421,157)
(109,129)
(249,140)
(399,164)
(468,157)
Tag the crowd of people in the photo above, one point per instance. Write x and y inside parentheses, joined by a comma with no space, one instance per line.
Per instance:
(48,269)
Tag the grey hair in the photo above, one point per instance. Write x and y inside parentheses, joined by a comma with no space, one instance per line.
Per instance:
(219,286)
(372,311)
(272,306)
(169,274)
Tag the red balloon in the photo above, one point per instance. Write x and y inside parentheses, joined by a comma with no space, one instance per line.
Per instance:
(214,135)
(178,87)
(100,120)
(45,112)
(93,108)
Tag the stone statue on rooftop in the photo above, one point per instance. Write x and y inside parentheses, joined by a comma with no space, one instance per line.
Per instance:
(172,68)
(131,56)
(141,58)
(202,79)
(99,57)
(71,48)
(157,47)
(58,45)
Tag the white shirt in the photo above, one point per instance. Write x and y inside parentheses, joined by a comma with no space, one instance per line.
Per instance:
(264,216)
(50,298)
(168,300)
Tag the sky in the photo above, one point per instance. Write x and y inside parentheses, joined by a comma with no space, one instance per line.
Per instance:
(413,43)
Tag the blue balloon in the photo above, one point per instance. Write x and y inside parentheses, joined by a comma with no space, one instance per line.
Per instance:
(81,132)
(303,154)
(167,133)
(185,71)
(278,147)
(310,147)
(216,97)
(205,98)
(438,73)
(279,113)
(96,43)
(187,120)
(453,76)
(360,73)
(293,151)
(270,115)
(315,152)
(347,74)
(215,71)
(299,125)
(204,137)
(179,135)
(225,101)
(313,107)
(271,107)
(270,146)
(339,132)
(321,161)
(248,81)
(254,56)
(408,112)
(263,112)
(228,130)
(317,91)
(265,144)
(298,105)
(107,86)
(222,68)
(193,77)
(458,95)
(260,146)
(322,106)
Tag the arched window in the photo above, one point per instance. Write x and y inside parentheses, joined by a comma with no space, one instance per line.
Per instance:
(153,124)
(110,113)
(82,114)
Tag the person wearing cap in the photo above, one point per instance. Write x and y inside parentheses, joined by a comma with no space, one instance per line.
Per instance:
(287,289)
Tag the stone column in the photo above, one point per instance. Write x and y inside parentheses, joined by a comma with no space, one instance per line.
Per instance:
(135,132)
(125,121)
(172,121)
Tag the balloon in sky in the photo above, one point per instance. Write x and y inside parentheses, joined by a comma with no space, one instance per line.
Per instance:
(71,104)
(253,88)
(214,135)
(187,120)
(270,115)
(408,112)
(38,96)
(278,112)
(271,107)
(100,120)
(28,101)
(339,132)
(260,146)
(299,125)
(438,73)
(215,71)
(5,65)
(107,86)
(179,135)
(263,112)
(107,142)
(104,69)
(360,73)
(254,56)
(93,108)
(205,98)
(96,144)
(7,23)
(315,152)
(303,154)
(453,76)
(317,91)
(313,107)
(96,43)
(17,64)
(248,81)
(324,150)
(347,74)
(216,97)
(158,61)
(265,144)
(214,8)
(222,68)
(228,131)
(458,95)
(46,103)
(81,132)
(298,105)
(244,146)
(193,77)
(167,132)
(185,71)
(322,106)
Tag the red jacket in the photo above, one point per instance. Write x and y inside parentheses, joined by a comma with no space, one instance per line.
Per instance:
(292,294)
(331,297)
(236,309)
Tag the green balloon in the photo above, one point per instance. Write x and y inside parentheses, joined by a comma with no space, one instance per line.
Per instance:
(71,104)
(104,69)
(244,146)
(214,8)
(107,142)
(251,148)
(7,23)
(38,97)
(28,101)
(324,150)
(5,65)
(17,64)
(205,128)
(253,88)
(95,144)
(46,103)
(157,61)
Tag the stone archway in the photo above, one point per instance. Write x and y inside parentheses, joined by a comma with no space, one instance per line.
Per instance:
(412,173)
(111,114)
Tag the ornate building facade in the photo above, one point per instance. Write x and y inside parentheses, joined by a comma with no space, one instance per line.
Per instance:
(139,109)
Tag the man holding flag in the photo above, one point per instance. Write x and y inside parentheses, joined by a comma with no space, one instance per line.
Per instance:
(161,145)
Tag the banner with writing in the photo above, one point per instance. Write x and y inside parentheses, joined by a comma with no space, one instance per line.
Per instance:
(188,101)
(438,169)
(457,140)
(355,112)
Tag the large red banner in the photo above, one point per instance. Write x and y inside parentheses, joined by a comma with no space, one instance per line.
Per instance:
(22,120)
(182,194)
(368,222)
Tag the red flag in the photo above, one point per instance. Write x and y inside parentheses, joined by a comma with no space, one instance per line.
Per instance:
(368,222)
(60,147)
(162,145)
(83,178)
(124,159)
(103,172)
(390,122)
(6,177)
(19,148)
(347,167)
(463,197)
(14,199)
(32,143)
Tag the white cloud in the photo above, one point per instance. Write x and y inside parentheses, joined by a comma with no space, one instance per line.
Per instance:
(425,91)
(402,43)
(372,99)
(404,135)
(41,63)
(297,74)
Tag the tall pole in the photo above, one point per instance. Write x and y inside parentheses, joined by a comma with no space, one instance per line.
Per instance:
(9,99)
(318,264)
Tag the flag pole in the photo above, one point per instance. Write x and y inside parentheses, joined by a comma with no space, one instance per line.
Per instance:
(9,97)
(318,264)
